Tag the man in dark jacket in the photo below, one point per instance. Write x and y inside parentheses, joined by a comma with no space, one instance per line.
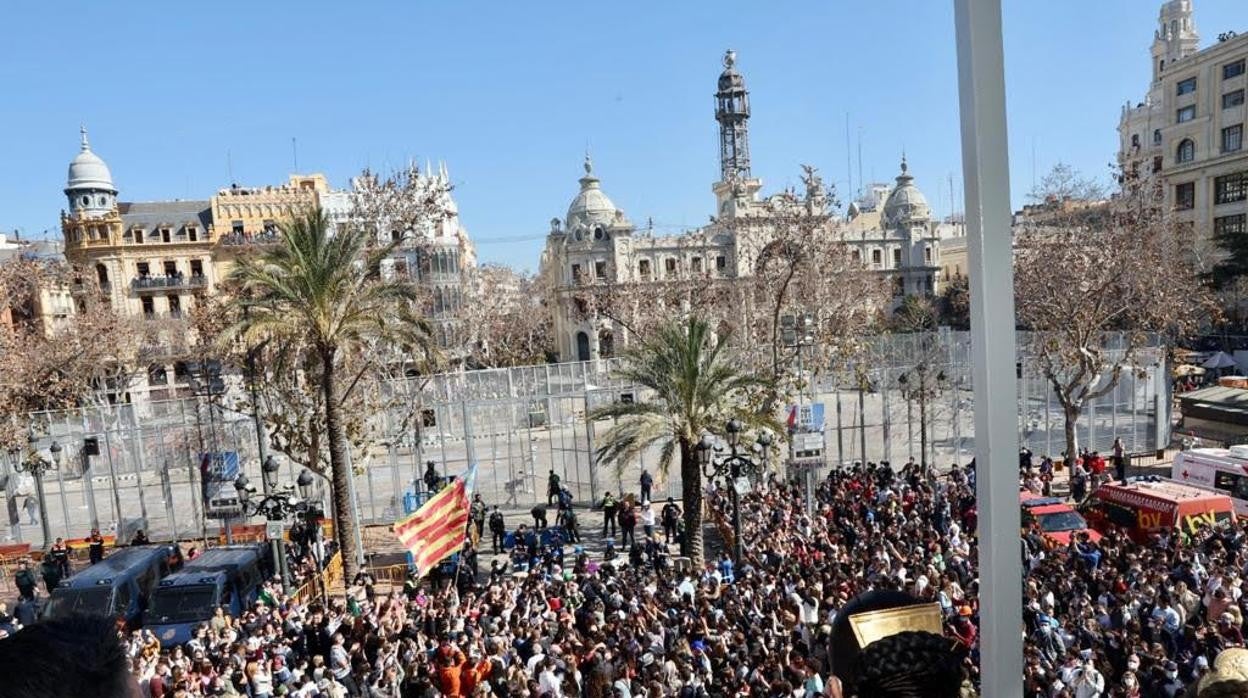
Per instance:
(25,580)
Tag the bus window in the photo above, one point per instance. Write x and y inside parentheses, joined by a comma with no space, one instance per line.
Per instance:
(121,602)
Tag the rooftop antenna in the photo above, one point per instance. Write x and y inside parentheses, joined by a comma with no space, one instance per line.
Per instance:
(294,153)
(229,166)
(860,184)
(849,159)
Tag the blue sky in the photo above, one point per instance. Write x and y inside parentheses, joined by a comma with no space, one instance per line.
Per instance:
(509,94)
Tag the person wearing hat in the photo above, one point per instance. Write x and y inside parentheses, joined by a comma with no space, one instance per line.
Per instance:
(498,530)
(671,521)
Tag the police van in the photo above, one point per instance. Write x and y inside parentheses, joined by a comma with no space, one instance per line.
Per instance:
(119,586)
(228,577)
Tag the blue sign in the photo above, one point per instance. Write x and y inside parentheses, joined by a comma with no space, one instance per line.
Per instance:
(806,417)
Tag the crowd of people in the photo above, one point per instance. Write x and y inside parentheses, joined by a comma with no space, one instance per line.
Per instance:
(1110,618)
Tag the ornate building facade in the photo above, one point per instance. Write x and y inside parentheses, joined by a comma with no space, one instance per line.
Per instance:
(1188,132)
(595,241)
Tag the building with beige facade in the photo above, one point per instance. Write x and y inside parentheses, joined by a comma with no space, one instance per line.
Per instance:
(892,232)
(1189,129)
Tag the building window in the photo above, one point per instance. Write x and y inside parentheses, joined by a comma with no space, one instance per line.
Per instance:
(669,266)
(1231,70)
(1156,136)
(1157,160)
(236,227)
(1230,225)
(1185,196)
(166,235)
(1135,140)
(856,256)
(149,307)
(576,273)
(721,263)
(1232,99)
(1230,188)
(876,257)
(138,236)
(192,233)
(171,268)
(175,306)
(1232,138)
(899,286)
(927,254)
(143,269)
(696,265)
(197,269)
(896,257)
(1186,87)
(1186,114)
(270,228)
(1186,152)
(600,270)
(643,269)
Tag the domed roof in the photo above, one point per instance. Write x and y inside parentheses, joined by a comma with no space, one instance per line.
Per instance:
(88,171)
(730,79)
(906,202)
(591,205)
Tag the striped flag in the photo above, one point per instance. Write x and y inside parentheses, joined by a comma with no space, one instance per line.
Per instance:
(439,527)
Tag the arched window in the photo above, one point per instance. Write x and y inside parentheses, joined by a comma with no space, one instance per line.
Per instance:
(1186,152)
(582,346)
(1156,136)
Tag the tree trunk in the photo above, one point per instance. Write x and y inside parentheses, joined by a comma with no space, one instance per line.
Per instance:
(691,496)
(340,472)
(1072,435)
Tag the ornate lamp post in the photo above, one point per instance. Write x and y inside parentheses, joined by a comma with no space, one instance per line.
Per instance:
(919,383)
(36,465)
(276,505)
(733,466)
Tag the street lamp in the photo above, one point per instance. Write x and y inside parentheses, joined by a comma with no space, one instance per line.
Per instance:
(920,388)
(36,465)
(734,466)
(276,505)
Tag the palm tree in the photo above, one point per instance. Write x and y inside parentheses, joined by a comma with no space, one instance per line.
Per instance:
(698,387)
(324,295)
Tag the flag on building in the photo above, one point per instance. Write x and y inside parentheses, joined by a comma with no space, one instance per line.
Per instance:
(439,527)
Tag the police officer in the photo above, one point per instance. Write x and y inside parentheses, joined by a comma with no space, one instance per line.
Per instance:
(477,510)
(671,520)
(609,506)
(60,554)
(498,530)
(568,521)
(25,580)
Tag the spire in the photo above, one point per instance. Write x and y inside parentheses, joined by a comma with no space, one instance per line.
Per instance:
(86,145)
(589,163)
(732,111)
(905,177)
(589,181)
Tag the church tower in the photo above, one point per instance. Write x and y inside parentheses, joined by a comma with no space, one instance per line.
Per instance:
(1175,37)
(735,188)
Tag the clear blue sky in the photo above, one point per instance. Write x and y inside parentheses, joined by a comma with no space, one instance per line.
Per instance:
(510,93)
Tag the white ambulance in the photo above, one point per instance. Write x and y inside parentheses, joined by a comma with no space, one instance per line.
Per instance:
(1220,469)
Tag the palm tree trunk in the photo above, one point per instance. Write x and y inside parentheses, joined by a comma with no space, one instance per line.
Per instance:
(691,496)
(344,529)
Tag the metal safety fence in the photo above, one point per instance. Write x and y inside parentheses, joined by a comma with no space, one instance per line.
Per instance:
(130,466)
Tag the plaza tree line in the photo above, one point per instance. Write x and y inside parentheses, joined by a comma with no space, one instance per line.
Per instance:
(329,337)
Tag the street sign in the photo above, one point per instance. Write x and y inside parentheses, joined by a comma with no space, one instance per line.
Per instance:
(273,530)
(808,445)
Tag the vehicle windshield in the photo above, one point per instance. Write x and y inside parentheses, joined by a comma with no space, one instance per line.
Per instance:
(90,601)
(182,604)
(1061,521)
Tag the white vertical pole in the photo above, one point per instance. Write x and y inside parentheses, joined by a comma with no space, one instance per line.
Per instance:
(986,176)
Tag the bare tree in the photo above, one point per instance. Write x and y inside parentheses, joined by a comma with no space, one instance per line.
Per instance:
(1065,183)
(506,320)
(1096,283)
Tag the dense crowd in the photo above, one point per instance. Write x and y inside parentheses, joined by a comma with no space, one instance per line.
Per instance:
(1107,618)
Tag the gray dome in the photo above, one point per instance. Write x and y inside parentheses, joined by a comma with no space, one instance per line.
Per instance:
(906,202)
(730,79)
(88,171)
(591,205)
